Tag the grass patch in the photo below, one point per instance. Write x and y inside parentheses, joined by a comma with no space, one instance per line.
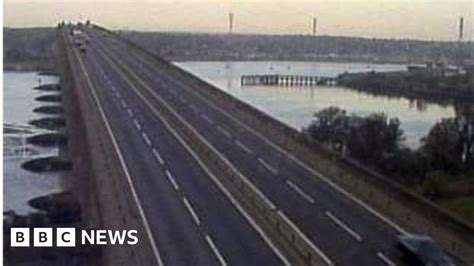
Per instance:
(463,206)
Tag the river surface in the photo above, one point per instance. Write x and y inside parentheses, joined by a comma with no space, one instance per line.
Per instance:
(295,106)
(20,185)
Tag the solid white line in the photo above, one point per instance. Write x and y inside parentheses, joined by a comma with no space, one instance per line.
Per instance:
(292,157)
(243,147)
(191,210)
(269,167)
(306,239)
(210,174)
(137,125)
(385,259)
(300,191)
(209,120)
(148,231)
(147,140)
(172,180)
(223,131)
(215,250)
(344,226)
(158,157)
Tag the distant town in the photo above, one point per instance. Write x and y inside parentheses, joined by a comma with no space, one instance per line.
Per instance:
(180,46)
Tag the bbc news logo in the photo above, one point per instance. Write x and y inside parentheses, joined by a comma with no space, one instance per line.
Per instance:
(66,237)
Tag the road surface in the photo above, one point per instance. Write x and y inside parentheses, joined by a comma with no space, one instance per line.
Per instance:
(346,231)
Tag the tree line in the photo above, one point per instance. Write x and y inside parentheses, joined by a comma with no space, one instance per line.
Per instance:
(377,141)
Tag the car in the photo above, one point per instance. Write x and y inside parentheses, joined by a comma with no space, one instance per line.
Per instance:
(423,250)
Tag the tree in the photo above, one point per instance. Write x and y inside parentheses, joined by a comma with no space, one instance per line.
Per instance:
(330,125)
(445,146)
(373,137)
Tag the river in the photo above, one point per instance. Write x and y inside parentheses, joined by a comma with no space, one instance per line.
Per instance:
(20,185)
(292,105)
(295,106)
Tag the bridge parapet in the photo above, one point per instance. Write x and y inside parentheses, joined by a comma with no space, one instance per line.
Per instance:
(376,192)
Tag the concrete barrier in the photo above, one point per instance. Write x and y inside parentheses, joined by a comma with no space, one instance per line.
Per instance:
(406,208)
(274,222)
(410,210)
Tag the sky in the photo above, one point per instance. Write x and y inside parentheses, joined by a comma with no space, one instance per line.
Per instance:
(415,19)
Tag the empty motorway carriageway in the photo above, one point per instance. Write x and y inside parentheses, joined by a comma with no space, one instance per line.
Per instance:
(204,187)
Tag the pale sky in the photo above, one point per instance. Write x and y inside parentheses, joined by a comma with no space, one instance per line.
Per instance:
(419,19)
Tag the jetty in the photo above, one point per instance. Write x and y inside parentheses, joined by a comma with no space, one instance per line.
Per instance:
(286,80)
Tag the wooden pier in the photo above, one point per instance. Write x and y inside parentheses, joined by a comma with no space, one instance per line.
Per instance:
(286,80)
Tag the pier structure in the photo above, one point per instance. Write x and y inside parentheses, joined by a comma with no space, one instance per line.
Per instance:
(286,80)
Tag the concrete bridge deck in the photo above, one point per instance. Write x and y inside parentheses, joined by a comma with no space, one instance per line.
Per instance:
(190,217)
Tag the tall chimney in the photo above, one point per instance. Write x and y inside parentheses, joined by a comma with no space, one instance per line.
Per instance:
(315,24)
(461,29)
(231,22)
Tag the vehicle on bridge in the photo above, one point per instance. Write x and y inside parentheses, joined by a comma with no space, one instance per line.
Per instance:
(423,250)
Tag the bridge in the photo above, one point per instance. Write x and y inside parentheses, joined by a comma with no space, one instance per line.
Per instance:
(209,180)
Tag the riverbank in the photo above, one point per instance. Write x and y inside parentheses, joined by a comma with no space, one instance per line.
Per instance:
(46,67)
(419,85)
(188,46)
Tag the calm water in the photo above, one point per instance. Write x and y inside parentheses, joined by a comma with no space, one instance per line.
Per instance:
(295,105)
(18,102)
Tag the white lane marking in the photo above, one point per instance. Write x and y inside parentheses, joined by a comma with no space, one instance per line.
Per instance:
(191,211)
(215,250)
(124,105)
(223,131)
(182,99)
(324,178)
(137,125)
(172,180)
(213,177)
(243,147)
(130,113)
(148,231)
(385,259)
(300,191)
(269,167)
(158,157)
(113,88)
(306,239)
(344,226)
(146,138)
(209,120)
